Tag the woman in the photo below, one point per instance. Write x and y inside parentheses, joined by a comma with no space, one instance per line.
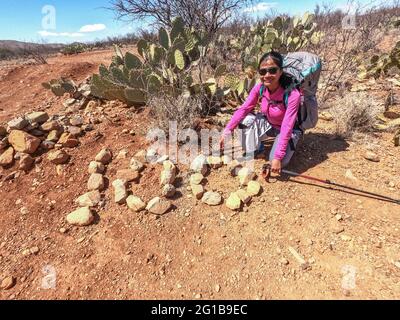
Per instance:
(275,120)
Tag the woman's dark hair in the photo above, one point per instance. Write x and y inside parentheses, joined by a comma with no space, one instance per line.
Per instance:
(286,81)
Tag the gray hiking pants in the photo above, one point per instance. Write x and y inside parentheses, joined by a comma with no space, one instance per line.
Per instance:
(256,128)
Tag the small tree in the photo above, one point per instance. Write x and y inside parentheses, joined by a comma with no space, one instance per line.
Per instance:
(209,15)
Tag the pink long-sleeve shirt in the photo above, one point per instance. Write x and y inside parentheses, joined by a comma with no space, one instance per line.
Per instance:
(278,116)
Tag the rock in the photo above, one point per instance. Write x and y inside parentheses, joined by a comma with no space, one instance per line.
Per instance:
(136,165)
(4,143)
(50,126)
(168,191)
(141,155)
(26,162)
(151,156)
(54,135)
(233,202)
(47,145)
(58,157)
(199,165)
(167,177)
(214,162)
(7,283)
(89,199)
(120,193)
(104,156)
(198,191)
(76,121)
(284,261)
(196,178)
(245,176)
(349,175)
(253,188)
(87,127)
(162,159)
(67,140)
(369,155)
(37,117)
(158,206)
(80,217)
(3,131)
(244,196)
(122,154)
(128,175)
(303,264)
(96,167)
(95,182)
(212,198)
(23,142)
(135,203)
(75,131)
(36,133)
(234,167)
(17,124)
(7,157)
(168,165)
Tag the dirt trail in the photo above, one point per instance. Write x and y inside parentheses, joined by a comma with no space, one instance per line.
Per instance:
(195,251)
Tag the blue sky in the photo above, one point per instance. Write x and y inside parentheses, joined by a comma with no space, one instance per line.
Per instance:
(87,20)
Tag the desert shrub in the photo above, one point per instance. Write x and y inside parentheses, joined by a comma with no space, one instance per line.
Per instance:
(184,110)
(74,48)
(354,112)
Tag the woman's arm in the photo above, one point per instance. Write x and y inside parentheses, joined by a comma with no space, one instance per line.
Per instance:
(244,110)
(287,124)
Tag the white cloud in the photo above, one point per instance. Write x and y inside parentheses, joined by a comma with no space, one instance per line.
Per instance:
(93,27)
(45,33)
(262,6)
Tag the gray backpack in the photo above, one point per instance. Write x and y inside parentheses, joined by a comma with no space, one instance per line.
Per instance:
(305,70)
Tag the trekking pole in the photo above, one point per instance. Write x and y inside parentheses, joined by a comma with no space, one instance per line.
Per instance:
(266,173)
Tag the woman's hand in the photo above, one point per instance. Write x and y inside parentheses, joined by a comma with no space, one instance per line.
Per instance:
(276,166)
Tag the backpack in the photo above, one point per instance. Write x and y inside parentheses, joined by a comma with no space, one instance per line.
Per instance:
(305,70)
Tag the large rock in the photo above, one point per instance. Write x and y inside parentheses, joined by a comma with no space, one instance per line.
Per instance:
(128,175)
(104,156)
(158,206)
(168,191)
(96,167)
(50,126)
(234,202)
(67,140)
(17,124)
(135,203)
(76,121)
(253,188)
(7,157)
(80,217)
(199,165)
(168,165)
(196,178)
(136,165)
(120,193)
(23,142)
(197,190)
(26,162)
(245,176)
(54,135)
(75,131)
(58,157)
(89,199)
(243,196)
(37,117)
(234,167)
(214,162)
(212,198)
(95,182)
(167,177)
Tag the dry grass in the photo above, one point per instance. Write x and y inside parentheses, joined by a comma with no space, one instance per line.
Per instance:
(355,112)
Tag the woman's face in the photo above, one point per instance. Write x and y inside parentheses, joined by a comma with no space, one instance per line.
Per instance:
(270,78)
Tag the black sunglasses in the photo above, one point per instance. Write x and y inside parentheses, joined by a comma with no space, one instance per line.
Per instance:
(263,72)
